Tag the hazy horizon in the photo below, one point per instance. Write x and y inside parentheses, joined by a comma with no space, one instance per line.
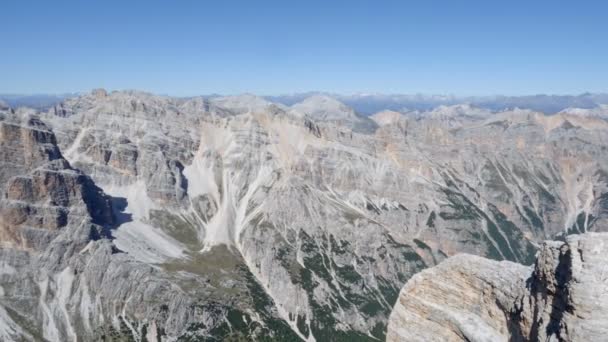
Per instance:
(305,92)
(368,104)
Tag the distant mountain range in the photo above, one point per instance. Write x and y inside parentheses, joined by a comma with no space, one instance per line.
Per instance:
(368,104)
(36,101)
(372,103)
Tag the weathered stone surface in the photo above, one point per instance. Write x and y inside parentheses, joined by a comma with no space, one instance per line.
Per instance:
(468,298)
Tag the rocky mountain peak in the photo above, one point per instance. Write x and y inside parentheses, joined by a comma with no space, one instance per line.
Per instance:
(244,103)
(465,110)
(324,108)
(600,111)
(327,109)
(387,117)
(99,93)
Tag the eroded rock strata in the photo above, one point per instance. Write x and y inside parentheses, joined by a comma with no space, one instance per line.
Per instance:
(469,298)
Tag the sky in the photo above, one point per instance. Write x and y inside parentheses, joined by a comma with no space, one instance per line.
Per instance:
(187,48)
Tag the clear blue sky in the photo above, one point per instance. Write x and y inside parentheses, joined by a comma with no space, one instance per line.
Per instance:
(273,47)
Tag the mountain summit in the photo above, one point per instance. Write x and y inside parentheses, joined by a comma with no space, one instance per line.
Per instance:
(328,109)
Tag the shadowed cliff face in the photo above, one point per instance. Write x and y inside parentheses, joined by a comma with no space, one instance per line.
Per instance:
(239,218)
(468,298)
(41,192)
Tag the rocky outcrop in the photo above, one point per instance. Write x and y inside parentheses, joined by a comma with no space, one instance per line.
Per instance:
(468,298)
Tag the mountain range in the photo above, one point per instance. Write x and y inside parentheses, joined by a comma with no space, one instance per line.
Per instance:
(368,104)
(126,215)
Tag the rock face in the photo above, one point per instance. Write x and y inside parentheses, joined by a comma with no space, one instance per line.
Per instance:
(468,298)
(42,193)
(135,216)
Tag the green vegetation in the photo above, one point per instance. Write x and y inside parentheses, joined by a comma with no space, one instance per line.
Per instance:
(338,248)
(463,209)
(503,245)
(492,252)
(24,323)
(522,249)
(421,244)
(217,266)
(510,241)
(369,301)
(430,222)
(494,181)
(537,223)
(177,227)
(108,333)
(239,325)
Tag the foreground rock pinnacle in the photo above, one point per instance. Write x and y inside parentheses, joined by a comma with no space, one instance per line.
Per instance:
(562,297)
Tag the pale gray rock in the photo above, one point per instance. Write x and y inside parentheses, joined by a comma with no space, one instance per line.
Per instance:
(387,117)
(327,109)
(245,103)
(600,111)
(468,298)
